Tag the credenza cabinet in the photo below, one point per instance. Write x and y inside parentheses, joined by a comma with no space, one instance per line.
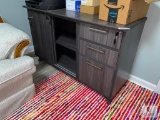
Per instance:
(96,53)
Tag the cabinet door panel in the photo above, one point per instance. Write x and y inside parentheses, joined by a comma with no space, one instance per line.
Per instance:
(41,28)
(96,76)
(90,75)
(107,81)
(35,30)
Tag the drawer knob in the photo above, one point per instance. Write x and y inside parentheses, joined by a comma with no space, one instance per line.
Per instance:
(94,49)
(99,68)
(97,30)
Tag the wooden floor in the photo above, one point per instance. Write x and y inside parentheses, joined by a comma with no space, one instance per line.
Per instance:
(43,71)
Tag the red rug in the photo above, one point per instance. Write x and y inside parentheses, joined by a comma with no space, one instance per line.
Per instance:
(62,98)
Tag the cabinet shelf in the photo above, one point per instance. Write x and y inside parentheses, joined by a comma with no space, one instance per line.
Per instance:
(67,64)
(68,41)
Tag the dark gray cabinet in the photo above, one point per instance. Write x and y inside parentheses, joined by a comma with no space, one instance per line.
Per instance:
(96,53)
(42,35)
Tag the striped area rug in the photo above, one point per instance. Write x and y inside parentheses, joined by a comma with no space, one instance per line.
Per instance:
(62,98)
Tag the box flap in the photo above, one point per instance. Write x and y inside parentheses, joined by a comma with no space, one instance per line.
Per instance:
(150,1)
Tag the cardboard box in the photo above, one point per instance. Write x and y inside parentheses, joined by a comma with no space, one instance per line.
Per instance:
(123,11)
(89,9)
(150,1)
(90,2)
(73,5)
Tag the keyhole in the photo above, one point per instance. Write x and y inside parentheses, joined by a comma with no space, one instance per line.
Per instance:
(117,33)
(47,18)
(116,36)
(114,42)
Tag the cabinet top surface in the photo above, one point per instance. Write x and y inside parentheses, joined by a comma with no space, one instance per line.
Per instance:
(93,19)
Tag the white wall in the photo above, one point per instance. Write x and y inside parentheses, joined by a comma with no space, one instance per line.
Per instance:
(147,61)
(13,13)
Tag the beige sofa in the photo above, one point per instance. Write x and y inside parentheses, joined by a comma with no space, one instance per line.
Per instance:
(16,81)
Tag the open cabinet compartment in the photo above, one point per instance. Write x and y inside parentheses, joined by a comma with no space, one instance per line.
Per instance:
(65,35)
(66,60)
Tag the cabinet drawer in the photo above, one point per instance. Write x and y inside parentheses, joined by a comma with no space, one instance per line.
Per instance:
(105,36)
(96,76)
(98,53)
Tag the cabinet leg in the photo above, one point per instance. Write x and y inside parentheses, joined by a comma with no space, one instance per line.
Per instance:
(108,101)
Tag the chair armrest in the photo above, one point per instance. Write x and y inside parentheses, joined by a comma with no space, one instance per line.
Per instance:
(19,49)
(10,38)
(1,20)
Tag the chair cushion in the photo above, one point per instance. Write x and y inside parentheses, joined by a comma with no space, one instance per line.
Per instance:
(15,67)
(16,84)
(9,37)
(15,75)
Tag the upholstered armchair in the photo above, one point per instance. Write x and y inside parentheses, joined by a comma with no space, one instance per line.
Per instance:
(16,81)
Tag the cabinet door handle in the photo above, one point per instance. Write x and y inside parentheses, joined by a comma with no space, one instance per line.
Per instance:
(97,30)
(99,68)
(30,17)
(94,49)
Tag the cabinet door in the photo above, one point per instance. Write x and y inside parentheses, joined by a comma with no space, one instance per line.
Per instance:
(96,76)
(42,34)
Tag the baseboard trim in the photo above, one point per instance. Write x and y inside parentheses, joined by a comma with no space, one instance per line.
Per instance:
(157,90)
(142,83)
(29,49)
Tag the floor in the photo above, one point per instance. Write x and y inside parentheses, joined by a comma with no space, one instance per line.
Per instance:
(60,97)
(43,71)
